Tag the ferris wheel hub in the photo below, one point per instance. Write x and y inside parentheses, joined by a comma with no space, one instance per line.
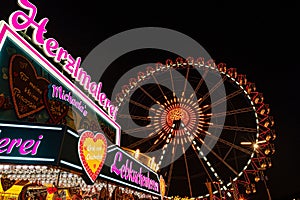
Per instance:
(177,115)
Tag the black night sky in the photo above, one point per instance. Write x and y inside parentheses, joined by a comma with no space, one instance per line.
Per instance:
(261,41)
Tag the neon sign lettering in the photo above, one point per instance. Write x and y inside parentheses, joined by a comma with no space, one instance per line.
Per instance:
(59,93)
(52,49)
(127,172)
(39,28)
(25,146)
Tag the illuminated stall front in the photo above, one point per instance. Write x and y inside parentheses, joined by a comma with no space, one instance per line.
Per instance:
(55,141)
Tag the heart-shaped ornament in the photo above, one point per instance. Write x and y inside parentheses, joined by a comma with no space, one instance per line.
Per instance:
(92,150)
(7,183)
(26,86)
(56,109)
(89,124)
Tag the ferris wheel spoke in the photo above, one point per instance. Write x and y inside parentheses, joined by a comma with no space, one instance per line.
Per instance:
(224,99)
(217,156)
(171,167)
(172,82)
(227,97)
(150,96)
(203,165)
(232,112)
(156,143)
(138,104)
(230,144)
(187,171)
(144,106)
(207,162)
(185,82)
(161,138)
(199,84)
(157,83)
(234,128)
(126,116)
(141,141)
(139,129)
(228,152)
(218,84)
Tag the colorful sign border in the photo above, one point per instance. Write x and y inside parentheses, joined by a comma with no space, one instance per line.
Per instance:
(7,32)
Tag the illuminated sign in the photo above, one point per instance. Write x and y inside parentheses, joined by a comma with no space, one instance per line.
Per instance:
(125,169)
(57,92)
(96,157)
(21,21)
(92,150)
(30,144)
(27,81)
(89,154)
(121,167)
(34,90)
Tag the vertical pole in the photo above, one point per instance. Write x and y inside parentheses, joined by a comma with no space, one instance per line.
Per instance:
(235,190)
(58,179)
(268,191)
(107,191)
(209,188)
(219,188)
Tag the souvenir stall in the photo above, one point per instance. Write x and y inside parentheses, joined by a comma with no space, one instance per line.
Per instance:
(58,135)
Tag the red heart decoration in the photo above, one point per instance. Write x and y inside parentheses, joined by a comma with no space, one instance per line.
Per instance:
(92,150)
(51,190)
(56,109)
(26,86)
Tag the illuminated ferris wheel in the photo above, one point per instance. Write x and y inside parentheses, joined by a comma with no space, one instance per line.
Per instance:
(199,134)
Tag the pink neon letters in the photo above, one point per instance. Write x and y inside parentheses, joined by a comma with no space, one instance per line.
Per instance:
(28,20)
(126,171)
(25,146)
(51,48)
(59,93)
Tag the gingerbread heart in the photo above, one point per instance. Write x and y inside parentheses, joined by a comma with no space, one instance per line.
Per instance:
(89,124)
(56,109)
(7,183)
(26,86)
(92,150)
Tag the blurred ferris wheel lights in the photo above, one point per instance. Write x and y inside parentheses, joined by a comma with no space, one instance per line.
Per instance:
(255,144)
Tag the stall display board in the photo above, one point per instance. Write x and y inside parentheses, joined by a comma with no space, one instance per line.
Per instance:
(52,113)
(33,89)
